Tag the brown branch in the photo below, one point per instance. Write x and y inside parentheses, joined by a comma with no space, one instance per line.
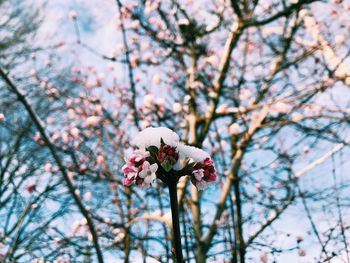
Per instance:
(130,69)
(231,42)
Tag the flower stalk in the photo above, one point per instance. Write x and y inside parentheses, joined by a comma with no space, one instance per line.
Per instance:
(175,220)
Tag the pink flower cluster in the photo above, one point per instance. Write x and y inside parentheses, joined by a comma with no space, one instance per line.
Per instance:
(203,174)
(138,169)
(161,155)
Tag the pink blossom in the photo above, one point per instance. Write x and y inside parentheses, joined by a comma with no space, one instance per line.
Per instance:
(280,107)
(50,120)
(87,196)
(296,116)
(55,136)
(100,160)
(2,117)
(142,170)
(33,73)
(245,94)
(75,69)
(177,107)
(110,66)
(203,174)
(148,100)
(72,15)
(264,257)
(161,104)
(148,173)
(234,129)
(92,121)
(43,84)
(65,138)
(134,165)
(258,187)
(222,109)
(139,155)
(48,167)
(198,174)
(135,24)
(129,170)
(127,181)
(156,79)
(302,252)
(31,187)
(70,175)
(75,132)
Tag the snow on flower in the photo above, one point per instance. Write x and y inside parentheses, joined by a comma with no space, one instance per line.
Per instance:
(203,171)
(160,154)
(191,152)
(151,137)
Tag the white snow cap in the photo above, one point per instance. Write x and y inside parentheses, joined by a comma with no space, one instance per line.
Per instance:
(151,136)
(194,153)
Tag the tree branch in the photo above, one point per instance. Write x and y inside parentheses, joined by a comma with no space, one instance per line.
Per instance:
(40,126)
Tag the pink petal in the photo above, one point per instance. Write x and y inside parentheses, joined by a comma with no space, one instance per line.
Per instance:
(127,181)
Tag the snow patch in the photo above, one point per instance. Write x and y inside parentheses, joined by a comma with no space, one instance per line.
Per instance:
(151,136)
(194,153)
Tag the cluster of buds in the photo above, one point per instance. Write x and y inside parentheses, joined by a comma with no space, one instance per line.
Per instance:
(203,174)
(161,155)
(167,156)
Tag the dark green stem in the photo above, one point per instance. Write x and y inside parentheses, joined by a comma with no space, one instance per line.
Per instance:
(175,218)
